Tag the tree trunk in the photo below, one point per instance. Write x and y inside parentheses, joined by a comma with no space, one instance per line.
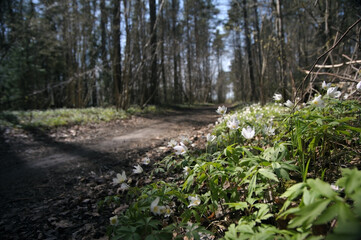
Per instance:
(249,51)
(259,51)
(281,48)
(153,52)
(175,49)
(103,51)
(164,80)
(127,58)
(116,64)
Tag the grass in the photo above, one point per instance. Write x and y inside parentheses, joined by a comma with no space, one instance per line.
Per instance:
(66,117)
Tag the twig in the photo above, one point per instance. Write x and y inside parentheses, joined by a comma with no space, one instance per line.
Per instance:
(337,65)
(333,75)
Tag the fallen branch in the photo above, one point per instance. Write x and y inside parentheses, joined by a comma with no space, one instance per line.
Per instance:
(338,65)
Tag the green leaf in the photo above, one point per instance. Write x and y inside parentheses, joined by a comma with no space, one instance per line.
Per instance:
(238,206)
(350,230)
(282,173)
(252,184)
(319,121)
(231,233)
(345,214)
(353,181)
(268,174)
(329,214)
(355,129)
(322,187)
(263,212)
(294,191)
(309,214)
(308,197)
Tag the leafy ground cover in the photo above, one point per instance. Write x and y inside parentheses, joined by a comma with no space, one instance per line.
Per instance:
(281,171)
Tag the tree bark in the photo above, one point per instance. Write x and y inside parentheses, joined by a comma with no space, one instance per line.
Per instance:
(153,51)
(281,48)
(175,49)
(249,52)
(116,63)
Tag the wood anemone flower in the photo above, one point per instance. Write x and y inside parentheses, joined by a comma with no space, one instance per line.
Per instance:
(277,97)
(233,124)
(289,104)
(194,201)
(120,178)
(180,149)
(210,138)
(333,93)
(358,87)
(248,132)
(325,85)
(113,220)
(137,169)
(318,102)
(221,110)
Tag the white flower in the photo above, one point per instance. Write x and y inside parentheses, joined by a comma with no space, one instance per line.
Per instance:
(120,178)
(332,92)
(210,138)
(221,110)
(317,101)
(219,120)
(325,85)
(180,149)
(154,208)
(335,187)
(358,86)
(158,210)
(194,201)
(277,97)
(269,130)
(289,104)
(146,161)
(186,170)
(124,187)
(248,132)
(167,211)
(185,140)
(172,143)
(113,220)
(345,97)
(137,169)
(259,116)
(233,123)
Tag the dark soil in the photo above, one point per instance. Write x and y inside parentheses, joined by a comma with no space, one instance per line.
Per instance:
(51,181)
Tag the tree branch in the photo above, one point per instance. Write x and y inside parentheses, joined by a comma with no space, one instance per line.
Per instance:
(329,50)
(333,75)
(338,65)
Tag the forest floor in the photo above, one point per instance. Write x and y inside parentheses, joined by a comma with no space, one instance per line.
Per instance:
(51,181)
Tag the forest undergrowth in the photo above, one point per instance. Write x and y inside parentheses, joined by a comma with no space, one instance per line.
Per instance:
(281,171)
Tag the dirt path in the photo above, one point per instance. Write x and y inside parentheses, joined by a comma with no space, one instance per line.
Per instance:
(50,182)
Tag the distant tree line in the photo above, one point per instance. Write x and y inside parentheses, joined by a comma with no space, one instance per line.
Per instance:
(80,53)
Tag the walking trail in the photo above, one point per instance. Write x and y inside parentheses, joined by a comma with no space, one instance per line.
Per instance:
(51,182)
